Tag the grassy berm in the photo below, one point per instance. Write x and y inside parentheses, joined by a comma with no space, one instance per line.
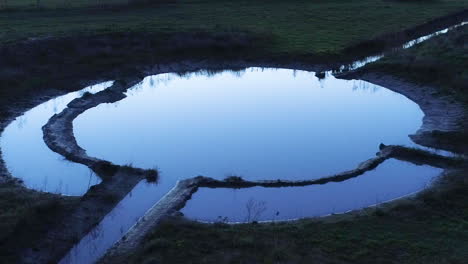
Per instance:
(441,62)
(25,215)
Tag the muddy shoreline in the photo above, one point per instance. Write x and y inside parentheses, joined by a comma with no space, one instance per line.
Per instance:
(442,114)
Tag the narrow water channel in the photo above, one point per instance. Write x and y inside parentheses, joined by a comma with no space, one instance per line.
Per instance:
(28,158)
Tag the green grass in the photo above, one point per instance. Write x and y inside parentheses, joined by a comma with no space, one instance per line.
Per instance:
(433,228)
(56,4)
(296,27)
(25,216)
(441,62)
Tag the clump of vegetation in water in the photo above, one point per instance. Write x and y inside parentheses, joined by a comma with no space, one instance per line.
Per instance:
(320,75)
(152,175)
(105,168)
(233,179)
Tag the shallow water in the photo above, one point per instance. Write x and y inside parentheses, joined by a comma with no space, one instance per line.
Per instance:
(28,158)
(114,225)
(390,180)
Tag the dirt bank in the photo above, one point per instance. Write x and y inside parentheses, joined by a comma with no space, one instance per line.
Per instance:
(442,114)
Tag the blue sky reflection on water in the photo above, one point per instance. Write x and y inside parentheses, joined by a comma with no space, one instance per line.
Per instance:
(263,124)
(258,124)
(390,180)
(27,156)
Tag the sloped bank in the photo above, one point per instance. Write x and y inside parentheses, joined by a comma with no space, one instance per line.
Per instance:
(442,114)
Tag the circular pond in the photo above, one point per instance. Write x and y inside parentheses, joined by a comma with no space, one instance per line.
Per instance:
(257,124)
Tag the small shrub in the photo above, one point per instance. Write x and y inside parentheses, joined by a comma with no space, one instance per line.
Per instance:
(233,178)
(152,175)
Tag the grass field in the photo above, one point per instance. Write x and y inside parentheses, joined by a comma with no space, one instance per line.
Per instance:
(441,62)
(296,26)
(25,215)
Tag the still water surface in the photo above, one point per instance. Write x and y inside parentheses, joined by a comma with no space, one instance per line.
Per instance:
(392,179)
(27,156)
(258,124)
